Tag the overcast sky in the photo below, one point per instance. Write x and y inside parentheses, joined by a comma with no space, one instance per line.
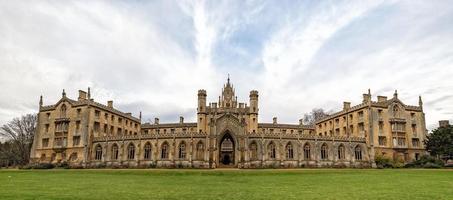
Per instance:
(153,56)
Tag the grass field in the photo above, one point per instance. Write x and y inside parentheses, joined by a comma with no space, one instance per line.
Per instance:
(227,184)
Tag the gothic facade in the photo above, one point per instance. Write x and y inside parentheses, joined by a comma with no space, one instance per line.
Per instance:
(226,134)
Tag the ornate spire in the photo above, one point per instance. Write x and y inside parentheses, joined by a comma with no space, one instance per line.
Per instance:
(395,95)
(228,80)
(420,102)
(40,101)
(63,93)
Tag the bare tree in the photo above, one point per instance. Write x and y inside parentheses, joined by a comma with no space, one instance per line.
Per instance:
(19,134)
(314,115)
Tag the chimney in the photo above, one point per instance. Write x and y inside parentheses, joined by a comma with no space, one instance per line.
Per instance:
(181,119)
(346,105)
(110,104)
(156,120)
(274,120)
(444,123)
(381,98)
(367,97)
(82,95)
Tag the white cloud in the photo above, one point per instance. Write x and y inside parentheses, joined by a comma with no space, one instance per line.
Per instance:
(154,56)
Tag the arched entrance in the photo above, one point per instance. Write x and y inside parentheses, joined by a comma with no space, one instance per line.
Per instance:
(226,154)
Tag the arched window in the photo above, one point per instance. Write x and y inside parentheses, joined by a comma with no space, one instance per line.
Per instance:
(182,150)
(131,152)
(164,151)
(307,152)
(358,153)
(253,151)
(271,149)
(63,111)
(115,152)
(289,151)
(200,150)
(341,155)
(324,152)
(98,154)
(147,149)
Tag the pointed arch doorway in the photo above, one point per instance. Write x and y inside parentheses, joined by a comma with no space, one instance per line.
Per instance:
(226,153)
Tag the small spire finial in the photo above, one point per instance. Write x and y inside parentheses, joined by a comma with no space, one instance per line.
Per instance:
(40,101)
(420,102)
(140,116)
(89,93)
(395,95)
(369,91)
(63,93)
(228,80)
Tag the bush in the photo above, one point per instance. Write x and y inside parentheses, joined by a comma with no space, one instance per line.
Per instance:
(63,165)
(431,165)
(426,162)
(152,165)
(383,162)
(43,166)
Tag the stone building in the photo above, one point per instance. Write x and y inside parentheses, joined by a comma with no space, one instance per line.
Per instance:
(390,127)
(226,134)
(67,129)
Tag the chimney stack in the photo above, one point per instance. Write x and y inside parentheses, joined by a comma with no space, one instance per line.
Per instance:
(274,120)
(110,104)
(346,105)
(82,95)
(367,97)
(181,119)
(381,98)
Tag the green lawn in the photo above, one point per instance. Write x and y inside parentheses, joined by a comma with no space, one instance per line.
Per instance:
(226,184)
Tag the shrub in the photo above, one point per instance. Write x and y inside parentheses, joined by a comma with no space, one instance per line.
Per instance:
(383,162)
(152,165)
(43,166)
(426,162)
(63,165)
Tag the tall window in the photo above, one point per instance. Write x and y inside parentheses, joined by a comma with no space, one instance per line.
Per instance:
(115,152)
(358,153)
(147,151)
(341,155)
(63,111)
(253,151)
(271,149)
(200,150)
(98,154)
(164,151)
(324,152)
(382,141)
(182,150)
(131,152)
(289,151)
(307,152)
(45,142)
(76,140)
